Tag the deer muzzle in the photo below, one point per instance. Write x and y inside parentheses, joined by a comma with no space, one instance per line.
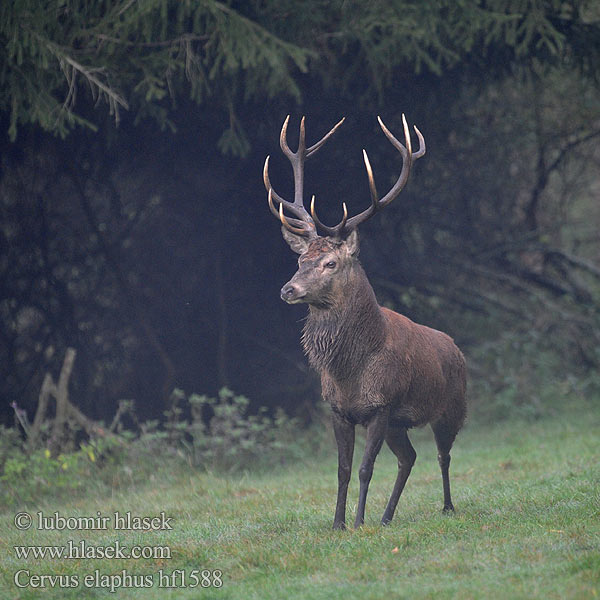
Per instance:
(292,293)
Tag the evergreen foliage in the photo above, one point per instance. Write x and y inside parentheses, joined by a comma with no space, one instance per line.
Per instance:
(122,54)
(59,58)
(150,259)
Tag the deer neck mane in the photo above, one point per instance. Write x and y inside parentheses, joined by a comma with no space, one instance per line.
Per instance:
(340,337)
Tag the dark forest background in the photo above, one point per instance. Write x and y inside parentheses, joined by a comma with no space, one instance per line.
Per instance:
(134,225)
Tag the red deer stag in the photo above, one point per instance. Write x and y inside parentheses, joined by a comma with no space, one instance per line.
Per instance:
(378,368)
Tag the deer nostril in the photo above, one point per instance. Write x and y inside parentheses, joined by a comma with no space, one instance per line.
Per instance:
(287,291)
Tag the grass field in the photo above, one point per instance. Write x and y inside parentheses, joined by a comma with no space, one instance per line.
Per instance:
(527,525)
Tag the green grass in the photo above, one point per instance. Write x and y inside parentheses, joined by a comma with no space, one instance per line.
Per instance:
(527,525)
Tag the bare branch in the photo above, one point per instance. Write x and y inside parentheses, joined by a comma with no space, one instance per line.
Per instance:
(89,75)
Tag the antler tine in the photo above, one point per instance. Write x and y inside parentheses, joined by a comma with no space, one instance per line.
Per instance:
(372,188)
(332,231)
(390,136)
(296,159)
(298,230)
(407,159)
(421,151)
(269,187)
(271,205)
(283,138)
(301,139)
(322,141)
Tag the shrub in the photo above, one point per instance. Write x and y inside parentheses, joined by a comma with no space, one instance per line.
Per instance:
(26,475)
(221,433)
(522,376)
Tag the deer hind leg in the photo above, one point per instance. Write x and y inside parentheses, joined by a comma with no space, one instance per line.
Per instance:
(444,438)
(397,440)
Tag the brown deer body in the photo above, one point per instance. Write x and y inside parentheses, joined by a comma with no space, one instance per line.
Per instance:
(378,368)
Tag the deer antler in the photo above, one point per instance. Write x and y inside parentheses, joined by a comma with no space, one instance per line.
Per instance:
(302,223)
(346,225)
(306,224)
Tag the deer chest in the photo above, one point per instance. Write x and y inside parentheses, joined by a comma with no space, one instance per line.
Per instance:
(351,398)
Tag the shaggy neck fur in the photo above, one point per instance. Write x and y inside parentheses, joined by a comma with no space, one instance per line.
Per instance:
(338,338)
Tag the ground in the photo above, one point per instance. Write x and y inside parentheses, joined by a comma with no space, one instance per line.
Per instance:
(527,525)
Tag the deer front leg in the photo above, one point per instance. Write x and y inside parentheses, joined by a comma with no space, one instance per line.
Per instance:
(344,436)
(376,431)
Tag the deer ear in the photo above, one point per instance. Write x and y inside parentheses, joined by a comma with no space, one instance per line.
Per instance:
(297,243)
(352,243)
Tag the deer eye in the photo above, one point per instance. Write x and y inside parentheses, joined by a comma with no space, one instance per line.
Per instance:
(331,264)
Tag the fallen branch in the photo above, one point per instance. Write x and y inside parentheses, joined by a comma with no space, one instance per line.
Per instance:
(65,411)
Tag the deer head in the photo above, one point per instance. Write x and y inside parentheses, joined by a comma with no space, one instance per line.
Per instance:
(323,258)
